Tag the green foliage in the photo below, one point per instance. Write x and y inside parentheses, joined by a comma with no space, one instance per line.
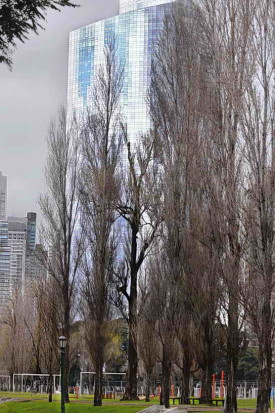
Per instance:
(20,17)
(248,367)
(118,348)
(74,375)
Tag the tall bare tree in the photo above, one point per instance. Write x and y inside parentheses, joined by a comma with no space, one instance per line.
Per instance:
(16,340)
(60,209)
(176,115)
(148,345)
(99,191)
(164,306)
(46,299)
(226,34)
(137,207)
(259,134)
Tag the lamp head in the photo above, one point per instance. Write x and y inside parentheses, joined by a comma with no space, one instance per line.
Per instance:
(62,342)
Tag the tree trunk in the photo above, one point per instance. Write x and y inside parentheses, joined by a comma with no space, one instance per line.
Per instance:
(98,381)
(131,386)
(185,383)
(131,392)
(232,355)
(161,396)
(191,385)
(11,382)
(50,388)
(231,396)
(37,362)
(148,386)
(206,391)
(206,387)
(265,361)
(166,371)
(67,330)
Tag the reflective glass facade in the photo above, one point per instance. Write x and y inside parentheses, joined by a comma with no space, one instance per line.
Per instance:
(135,30)
(130,5)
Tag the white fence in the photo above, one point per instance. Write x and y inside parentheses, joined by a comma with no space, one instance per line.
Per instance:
(5,383)
(245,390)
(112,386)
(35,383)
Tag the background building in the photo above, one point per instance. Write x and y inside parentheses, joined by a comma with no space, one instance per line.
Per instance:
(134,31)
(17,240)
(31,231)
(26,257)
(19,253)
(3,197)
(131,5)
(4,262)
(4,242)
(31,261)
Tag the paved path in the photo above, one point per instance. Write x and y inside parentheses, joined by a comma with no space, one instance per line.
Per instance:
(8,399)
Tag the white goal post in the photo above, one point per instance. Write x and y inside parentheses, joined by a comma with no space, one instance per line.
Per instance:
(104,374)
(34,377)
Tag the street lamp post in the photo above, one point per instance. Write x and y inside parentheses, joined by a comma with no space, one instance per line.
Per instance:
(62,344)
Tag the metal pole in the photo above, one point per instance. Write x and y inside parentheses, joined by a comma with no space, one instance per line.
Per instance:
(62,351)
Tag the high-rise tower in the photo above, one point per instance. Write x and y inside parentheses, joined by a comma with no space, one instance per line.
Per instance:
(5,255)
(4,243)
(134,31)
(3,197)
(17,241)
(31,260)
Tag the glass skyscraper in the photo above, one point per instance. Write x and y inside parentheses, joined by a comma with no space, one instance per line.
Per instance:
(134,31)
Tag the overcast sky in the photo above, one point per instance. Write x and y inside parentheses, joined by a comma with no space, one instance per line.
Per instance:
(30,96)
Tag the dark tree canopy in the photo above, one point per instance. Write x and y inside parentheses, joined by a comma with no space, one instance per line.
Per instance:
(20,17)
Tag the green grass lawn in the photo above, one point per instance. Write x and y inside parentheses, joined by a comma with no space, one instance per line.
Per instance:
(36,403)
(245,403)
(249,403)
(45,407)
(24,395)
(56,397)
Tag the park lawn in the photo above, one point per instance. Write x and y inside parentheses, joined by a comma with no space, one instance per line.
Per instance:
(25,395)
(45,407)
(56,397)
(243,403)
(249,403)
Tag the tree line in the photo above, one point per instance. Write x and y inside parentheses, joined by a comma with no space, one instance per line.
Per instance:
(172,230)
